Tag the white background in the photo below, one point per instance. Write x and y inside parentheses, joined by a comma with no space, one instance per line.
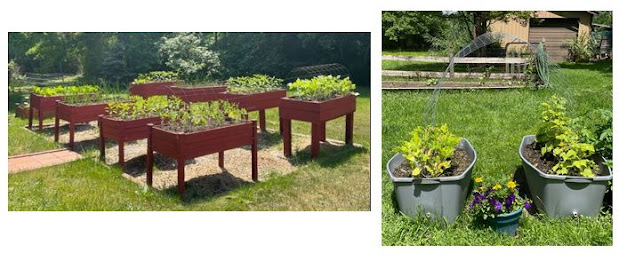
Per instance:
(236,235)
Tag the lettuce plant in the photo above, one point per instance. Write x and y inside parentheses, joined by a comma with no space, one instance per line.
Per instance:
(138,107)
(202,115)
(488,202)
(321,88)
(254,84)
(429,150)
(560,141)
(65,90)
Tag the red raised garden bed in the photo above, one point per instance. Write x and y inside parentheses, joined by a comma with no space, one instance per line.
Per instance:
(187,94)
(122,131)
(257,102)
(76,113)
(45,107)
(184,146)
(318,113)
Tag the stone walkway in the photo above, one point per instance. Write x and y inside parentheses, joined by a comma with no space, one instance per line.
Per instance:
(41,159)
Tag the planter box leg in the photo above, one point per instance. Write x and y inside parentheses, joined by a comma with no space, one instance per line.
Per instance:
(180,163)
(316,133)
(71,134)
(30,114)
(121,154)
(254,153)
(281,127)
(349,127)
(40,114)
(149,158)
(287,137)
(101,143)
(263,122)
(56,129)
(323,131)
(221,159)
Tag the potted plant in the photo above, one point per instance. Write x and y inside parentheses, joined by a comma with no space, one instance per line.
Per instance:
(564,175)
(498,206)
(153,83)
(127,120)
(431,173)
(317,100)
(203,129)
(43,100)
(79,109)
(256,93)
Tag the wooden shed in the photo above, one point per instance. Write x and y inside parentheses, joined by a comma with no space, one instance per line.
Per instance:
(555,27)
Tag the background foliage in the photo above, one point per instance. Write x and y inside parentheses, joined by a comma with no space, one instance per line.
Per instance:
(119,57)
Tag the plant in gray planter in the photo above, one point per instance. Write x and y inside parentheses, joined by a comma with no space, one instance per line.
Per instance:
(564,175)
(431,173)
(498,206)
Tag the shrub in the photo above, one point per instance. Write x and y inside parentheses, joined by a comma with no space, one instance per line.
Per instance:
(321,88)
(254,84)
(155,76)
(597,130)
(429,150)
(138,107)
(562,143)
(202,115)
(581,48)
(489,202)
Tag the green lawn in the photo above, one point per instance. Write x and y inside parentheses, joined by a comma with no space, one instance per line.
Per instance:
(495,122)
(409,53)
(320,184)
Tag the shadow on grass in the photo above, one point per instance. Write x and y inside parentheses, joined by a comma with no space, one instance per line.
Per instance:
(523,190)
(331,155)
(15,97)
(601,66)
(136,166)
(204,188)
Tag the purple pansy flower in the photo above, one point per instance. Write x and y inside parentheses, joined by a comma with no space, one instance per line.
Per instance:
(527,205)
(497,206)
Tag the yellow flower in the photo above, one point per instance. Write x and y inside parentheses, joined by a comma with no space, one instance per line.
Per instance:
(511,185)
(482,188)
(478,180)
(497,187)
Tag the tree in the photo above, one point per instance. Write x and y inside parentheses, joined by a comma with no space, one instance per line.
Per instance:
(604,17)
(189,54)
(409,29)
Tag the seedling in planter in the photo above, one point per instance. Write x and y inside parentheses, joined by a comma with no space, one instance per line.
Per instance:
(203,115)
(254,84)
(429,150)
(139,107)
(322,88)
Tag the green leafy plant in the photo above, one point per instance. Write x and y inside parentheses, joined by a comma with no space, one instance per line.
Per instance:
(321,88)
(202,115)
(138,107)
(432,81)
(485,76)
(429,150)
(155,76)
(559,141)
(254,84)
(65,90)
(596,128)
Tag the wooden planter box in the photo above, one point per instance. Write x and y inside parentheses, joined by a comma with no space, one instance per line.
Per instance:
(151,89)
(77,113)
(257,102)
(122,131)
(45,107)
(184,146)
(199,94)
(318,113)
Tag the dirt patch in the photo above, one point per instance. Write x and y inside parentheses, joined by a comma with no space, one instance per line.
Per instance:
(535,157)
(459,162)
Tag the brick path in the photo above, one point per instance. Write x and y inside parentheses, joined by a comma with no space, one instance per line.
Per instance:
(41,159)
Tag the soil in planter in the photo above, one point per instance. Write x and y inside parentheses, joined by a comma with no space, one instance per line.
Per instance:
(533,153)
(459,162)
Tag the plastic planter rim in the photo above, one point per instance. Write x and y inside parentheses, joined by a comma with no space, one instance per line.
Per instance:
(581,179)
(436,179)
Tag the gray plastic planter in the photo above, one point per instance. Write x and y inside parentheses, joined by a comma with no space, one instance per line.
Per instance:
(441,197)
(559,196)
